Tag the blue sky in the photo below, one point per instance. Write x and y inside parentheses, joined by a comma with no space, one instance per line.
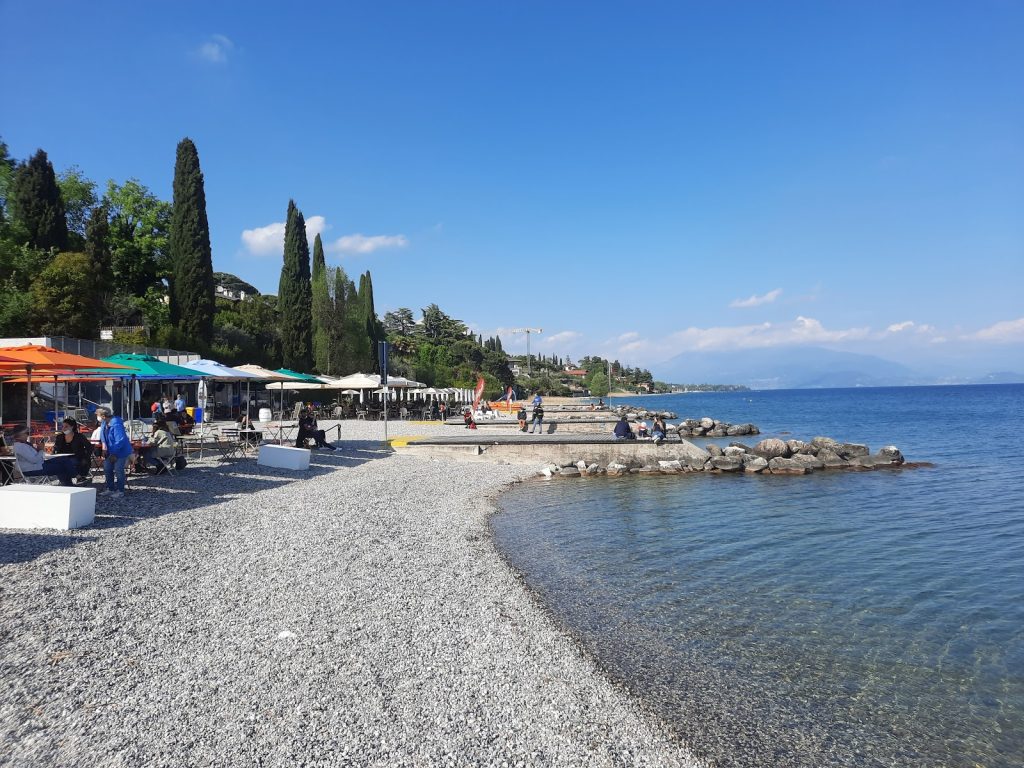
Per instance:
(655,177)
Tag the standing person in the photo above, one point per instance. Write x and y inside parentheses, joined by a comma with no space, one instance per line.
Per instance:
(34,463)
(71,441)
(538,418)
(537,399)
(116,450)
(165,404)
(521,416)
(442,411)
(155,409)
(179,403)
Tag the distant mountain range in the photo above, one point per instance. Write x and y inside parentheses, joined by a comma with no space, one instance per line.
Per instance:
(807,368)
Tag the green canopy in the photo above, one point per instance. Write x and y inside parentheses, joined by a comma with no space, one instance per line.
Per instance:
(148,367)
(300,376)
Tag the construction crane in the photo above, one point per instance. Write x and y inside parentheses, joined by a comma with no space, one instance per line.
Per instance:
(527,331)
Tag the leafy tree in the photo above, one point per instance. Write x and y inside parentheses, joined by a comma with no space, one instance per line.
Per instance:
(19,265)
(37,204)
(192,290)
(138,239)
(7,168)
(61,297)
(234,283)
(439,326)
(323,310)
(400,322)
(599,384)
(295,295)
(79,196)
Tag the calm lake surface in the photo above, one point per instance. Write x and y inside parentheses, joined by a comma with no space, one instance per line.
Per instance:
(843,618)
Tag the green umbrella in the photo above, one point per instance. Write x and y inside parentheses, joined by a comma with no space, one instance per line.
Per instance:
(300,376)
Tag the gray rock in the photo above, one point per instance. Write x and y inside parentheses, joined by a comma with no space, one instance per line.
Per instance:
(674,464)
(698,431)
(707,423)
(795,446)
(736,430)
(830,458)
(727,463)
(865,462)
(743,446)
(714,450)
(649,469)
(783,466)
(891,454)
(689,423)
(771,448)
(717,432)
(826,442)
(581,465)
(851,450)
(733,450)
(811,462)
(615,469)
(569,472)
(753,463)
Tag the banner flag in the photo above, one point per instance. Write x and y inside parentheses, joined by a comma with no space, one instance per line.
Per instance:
(479,392)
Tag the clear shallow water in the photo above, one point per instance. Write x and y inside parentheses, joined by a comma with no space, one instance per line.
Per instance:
(870,618)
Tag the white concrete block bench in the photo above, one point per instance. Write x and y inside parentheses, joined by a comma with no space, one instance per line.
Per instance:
(46,506)
(283,457)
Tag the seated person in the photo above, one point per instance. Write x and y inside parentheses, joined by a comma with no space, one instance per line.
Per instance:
(521,418)
(308,431)
(623,431)
(71,441)
(161,444)
(658,429)
(247,431)
(642,430)
(467,417)
(34,463)
(185,423)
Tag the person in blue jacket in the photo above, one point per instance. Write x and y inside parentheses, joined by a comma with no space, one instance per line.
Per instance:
(116,450)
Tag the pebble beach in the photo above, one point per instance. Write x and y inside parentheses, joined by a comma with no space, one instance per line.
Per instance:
(357,614)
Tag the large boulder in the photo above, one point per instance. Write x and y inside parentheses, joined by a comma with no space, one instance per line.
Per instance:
(689,453)
(616,470)
(852,450)
(783,466)
(795,446)
(714,450)
(830,459)
(742,446)
(811,462)
(650,469)
(827,443)
(569,472)
(727,463)
(717,432)
(771,448)
(754,464)
(891,454)
(690,423)
(733,450)
(735,430)
(670,467)
(707,423)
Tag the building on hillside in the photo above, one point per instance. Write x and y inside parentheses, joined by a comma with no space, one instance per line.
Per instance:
(230,294)
(578,373)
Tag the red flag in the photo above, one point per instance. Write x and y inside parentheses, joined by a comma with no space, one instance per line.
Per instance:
(479,392)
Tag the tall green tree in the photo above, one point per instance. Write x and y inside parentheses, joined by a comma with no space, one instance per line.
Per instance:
(192,288)
(323,310)
(79,196)
(138,237)
(7,168)
(294,295)
(61,296)
(37,204)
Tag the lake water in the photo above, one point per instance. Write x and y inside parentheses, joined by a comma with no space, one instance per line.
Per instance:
(838,618)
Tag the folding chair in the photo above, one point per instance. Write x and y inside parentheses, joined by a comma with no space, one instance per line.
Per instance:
(19,476)
(167,464)
(230,444)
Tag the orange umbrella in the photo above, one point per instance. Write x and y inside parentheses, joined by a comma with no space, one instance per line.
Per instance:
(34,357)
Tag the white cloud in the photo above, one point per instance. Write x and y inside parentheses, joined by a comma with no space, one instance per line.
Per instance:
(755,300)
(1003,332)
(265,241)
(563,337)
(363,244)
(803,330)
(216,49)
(269,240)
(909,325)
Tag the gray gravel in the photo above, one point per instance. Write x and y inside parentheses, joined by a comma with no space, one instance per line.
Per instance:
(236,615)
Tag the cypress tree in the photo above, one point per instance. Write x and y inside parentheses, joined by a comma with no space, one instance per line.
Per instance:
(97,248)
(192,288)
(37,204)
(323,309)
(294,295)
